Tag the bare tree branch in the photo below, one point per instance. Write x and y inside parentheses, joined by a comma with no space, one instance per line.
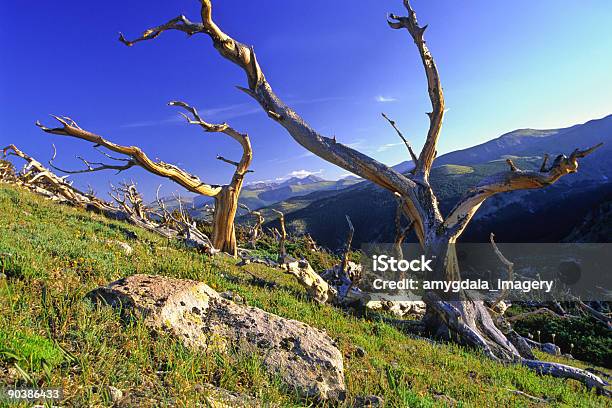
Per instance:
(347,247)
(181,177)
(512,165)
(465,209)
(508,265)
(89,168)
(242,138)
(180,23)
(436,95)
(400,232)
(282,251)
(544,162)
(256,229)
(399,133)
(232,162)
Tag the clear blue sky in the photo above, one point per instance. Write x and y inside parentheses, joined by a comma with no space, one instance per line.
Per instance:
(504,65)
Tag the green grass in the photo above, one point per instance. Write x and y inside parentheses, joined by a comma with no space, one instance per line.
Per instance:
(53,255)
(454,170)
(584,337)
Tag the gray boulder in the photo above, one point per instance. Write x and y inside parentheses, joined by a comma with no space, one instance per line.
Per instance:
(304,357)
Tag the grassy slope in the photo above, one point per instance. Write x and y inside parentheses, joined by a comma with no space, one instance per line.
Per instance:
(58,254)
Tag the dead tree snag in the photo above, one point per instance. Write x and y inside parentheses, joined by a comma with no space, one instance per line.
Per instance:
(255,230)
(467,319)
(225,196)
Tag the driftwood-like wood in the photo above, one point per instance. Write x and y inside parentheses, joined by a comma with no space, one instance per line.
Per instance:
(256,230)
(225,196)
(7,172)
(347,246)
(179,223)
(600,317)
(467,319)
(401,232)
(282,237)
(39,179)
(509,265)
(130,208)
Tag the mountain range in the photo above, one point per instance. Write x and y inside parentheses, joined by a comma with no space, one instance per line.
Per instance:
(547,215)
(265,193)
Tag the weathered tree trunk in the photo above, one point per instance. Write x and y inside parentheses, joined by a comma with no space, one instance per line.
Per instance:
(282,238)
(224,231)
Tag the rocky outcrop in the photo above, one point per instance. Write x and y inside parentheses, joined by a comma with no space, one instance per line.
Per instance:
(304,357)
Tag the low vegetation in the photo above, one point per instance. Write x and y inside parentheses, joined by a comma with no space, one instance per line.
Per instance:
(52,255)
(582,337)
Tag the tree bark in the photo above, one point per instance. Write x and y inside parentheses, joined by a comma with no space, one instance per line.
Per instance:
(224,231)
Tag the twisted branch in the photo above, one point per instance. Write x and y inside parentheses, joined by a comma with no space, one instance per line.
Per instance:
(511,180)
(179,176)
(436,96)
(399,133)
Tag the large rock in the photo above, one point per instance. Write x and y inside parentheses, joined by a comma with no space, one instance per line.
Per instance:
(303,356)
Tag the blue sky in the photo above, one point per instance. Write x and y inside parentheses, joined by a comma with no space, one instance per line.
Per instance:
(504,65)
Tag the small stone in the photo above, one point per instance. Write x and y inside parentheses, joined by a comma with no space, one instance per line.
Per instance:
(12,373)
(368,401)
(126,248)
(360,352)
(229,295)
(551,349)
(445,399)
(115,393)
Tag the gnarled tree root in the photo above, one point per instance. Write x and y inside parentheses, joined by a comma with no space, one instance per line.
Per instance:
(469,322)
(564,371)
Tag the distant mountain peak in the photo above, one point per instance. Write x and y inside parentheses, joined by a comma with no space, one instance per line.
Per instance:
(293,181)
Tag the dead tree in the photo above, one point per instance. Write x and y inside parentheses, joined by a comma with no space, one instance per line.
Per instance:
(347,247)
(282,237)
(255,230)
(225,196)
(42,181)
(7,172)
(39,179)
(130,201)
(179,223)
(128,196)
(311,244)
(401,232)
(465,318)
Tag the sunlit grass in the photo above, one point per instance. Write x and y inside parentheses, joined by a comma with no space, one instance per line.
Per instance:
(53,255)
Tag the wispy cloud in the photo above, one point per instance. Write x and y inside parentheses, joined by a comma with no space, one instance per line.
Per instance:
(387,146)
(384,99)
(304,173)
(249,183)
(227,112)
(356,144)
